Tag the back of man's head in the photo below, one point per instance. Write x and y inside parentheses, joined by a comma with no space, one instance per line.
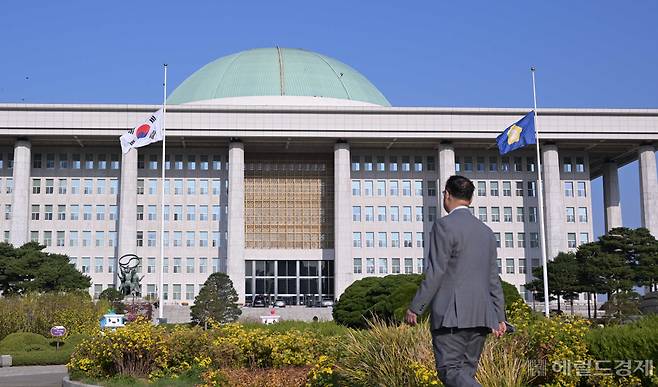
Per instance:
(460,187)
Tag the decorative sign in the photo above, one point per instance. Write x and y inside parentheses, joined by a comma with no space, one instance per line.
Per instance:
(58,331)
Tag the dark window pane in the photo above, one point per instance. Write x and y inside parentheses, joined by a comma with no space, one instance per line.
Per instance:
(260,268)
(248,269)
(292,268)
(260,285)
(282,288)
(269,285)
(247,286)
(269,269)
(303,285)
(282,268)
(313,285)
(304,268)
(313,268)
(292,286)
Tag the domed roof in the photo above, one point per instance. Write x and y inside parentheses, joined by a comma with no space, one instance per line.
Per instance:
(281,72)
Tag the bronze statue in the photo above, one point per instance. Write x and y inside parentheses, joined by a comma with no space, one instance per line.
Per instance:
(130,280)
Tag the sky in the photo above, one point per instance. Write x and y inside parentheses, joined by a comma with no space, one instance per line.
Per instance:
(599,53)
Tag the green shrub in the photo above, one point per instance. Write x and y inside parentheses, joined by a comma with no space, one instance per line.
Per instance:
(635,341)
(20,341)
(385,297)
(510,293)
(38,312)
(322,328)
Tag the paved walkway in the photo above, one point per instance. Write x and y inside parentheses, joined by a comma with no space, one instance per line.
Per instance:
(32,376)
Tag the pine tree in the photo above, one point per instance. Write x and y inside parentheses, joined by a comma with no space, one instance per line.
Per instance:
(217,300)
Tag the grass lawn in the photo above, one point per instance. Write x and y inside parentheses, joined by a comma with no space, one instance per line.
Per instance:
(33,349)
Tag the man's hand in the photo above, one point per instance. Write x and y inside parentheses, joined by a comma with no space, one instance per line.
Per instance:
(410,318)
(501,329)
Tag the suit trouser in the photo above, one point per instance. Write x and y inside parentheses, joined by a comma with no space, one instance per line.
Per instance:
(457,352)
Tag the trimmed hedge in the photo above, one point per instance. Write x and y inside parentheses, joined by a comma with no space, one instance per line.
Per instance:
(638,340)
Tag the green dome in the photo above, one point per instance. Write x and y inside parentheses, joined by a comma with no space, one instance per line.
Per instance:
(276,72)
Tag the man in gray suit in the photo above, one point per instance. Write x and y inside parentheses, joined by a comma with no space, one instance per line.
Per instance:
(461,287)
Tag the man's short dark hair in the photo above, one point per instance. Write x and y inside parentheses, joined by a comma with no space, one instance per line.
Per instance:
(460,187)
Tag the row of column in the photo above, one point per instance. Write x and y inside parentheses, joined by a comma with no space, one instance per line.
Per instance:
(342,195)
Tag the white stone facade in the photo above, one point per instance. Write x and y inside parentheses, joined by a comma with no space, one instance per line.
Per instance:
(64,183)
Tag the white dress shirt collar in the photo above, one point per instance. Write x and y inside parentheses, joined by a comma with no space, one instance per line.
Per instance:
(456,208)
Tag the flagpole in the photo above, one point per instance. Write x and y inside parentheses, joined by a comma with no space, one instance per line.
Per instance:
(540,187)
(162,198)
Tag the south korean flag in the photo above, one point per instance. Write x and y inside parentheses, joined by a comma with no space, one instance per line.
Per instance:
(144,134)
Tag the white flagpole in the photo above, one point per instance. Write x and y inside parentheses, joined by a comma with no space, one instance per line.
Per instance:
(162,198)
(540,187)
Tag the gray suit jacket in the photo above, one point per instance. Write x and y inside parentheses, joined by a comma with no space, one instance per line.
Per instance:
(461,282)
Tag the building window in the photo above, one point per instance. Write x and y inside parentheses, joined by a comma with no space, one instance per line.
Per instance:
(381,239)
(370,265)
(62,187)
(36,209)
(458,166)
(75,212)
(534,240)
(393,188)
(153,162)
(356,165)
(584,238)
(571,240)
(509,239)
(420,241)
(530,163)
(370,214)
(189,267)
(493,164)
(395,214)
(566,164)
(532,191)
(356,239)
(89,186)
(60,238)
(48,212)
(497,238)
(151,242)
(518,164)
(203,261)
(532,214)
(580,164)
(395,239)
(418,163)
(393,164)
(408,239)
(36,186)
(357,266)
(582,214)
(431,164)
(98,264)
(395,265)
(381,164)
(367,164)
(176,292)
(509,266)
(406,188)
(383,266)
(520,214)
(431,188)
(177,264)
(356,188)
(522,266)
(7,211)
(86,239)
(431,214)
(367,188)
(420,265)
(381,213)
(582,191)
(507,214)
(189,238)
(504,164)
(479,164)
(140,238)
(418,187)
(520,239)
(568,189)
(482,188)
(495,214)
(140,212)
(216,163)
(406,214)
(519,188)
(100,238)
(507,188)
(482,214)
(408,266)
(499,264)
(419,213)
(468,164)
(406,164)
(370,239)
(571,215)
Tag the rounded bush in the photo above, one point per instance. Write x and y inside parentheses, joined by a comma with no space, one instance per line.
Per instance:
(23,341)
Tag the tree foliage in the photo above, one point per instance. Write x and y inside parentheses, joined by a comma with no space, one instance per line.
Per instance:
(29,268)
(217,300)
(387,298)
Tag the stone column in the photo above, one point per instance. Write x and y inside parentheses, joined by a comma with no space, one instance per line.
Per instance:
(128,204)
(235,242)
(342,218)
(611,198)
(446,156)
(20,217)
(648,188)
(556,237)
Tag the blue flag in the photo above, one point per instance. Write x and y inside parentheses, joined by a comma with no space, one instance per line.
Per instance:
(518,135)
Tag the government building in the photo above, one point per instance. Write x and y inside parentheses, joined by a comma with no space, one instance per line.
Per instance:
(292,173)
